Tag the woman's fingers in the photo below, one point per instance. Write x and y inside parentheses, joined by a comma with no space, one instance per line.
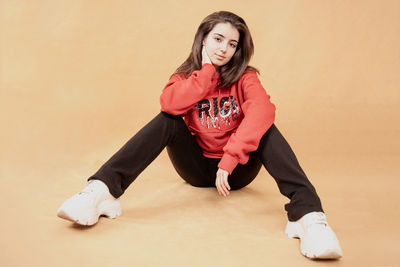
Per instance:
(227,184)
(205,58)
(203,55)
(224,191)
(218,185)
(222,182)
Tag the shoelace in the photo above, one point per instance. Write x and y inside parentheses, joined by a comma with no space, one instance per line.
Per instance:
(318,218)
(88,188)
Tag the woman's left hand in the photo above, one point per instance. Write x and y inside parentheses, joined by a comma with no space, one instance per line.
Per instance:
(221,182)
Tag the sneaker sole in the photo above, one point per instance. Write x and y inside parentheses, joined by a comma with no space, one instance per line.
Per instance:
(327,254)
(108,208)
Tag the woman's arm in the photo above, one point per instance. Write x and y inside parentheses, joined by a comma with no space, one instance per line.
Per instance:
(259,115)
(180,95)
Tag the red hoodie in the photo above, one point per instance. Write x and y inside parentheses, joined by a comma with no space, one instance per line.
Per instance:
(227,123)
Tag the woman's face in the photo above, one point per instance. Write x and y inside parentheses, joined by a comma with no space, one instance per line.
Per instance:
(221,43)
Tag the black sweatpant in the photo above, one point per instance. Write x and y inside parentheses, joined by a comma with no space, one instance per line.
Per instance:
(166,130)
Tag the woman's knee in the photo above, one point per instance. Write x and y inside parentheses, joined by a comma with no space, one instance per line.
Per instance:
(176,121)
(273,130)
(169,117)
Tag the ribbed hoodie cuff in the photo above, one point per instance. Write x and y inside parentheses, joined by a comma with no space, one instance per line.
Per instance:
(210,69)
(228,163)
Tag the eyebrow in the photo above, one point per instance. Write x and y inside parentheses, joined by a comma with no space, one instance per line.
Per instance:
(224,37)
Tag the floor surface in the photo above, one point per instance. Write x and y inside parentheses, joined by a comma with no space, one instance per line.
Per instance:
(166,222)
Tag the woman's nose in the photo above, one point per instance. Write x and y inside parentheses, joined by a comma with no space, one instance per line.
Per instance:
(223,47)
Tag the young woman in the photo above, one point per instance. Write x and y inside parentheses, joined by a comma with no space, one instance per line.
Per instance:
(217,123)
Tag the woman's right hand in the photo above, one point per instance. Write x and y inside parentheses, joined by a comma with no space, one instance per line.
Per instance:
(205,58)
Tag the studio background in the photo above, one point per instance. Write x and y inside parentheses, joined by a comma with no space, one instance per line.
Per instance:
(79,78)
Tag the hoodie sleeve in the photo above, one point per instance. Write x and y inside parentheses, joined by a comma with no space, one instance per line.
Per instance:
(180,94)
(259,115)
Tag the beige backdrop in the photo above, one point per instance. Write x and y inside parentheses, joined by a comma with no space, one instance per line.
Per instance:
(79,78)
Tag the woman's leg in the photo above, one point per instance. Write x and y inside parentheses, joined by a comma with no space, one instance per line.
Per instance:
(187,158)
(281,163)
(100,196)
(163,130)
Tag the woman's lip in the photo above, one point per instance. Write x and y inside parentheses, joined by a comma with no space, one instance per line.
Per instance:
(220,57)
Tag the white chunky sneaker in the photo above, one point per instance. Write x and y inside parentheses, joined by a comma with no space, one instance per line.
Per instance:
(87,206)
(317,239)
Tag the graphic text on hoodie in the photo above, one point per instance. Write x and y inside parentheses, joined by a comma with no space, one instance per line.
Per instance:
(213,114)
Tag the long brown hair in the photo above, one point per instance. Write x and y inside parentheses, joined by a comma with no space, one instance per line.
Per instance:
(231,71)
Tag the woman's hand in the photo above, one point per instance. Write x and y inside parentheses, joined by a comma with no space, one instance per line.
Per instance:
(205,58)
(221,182)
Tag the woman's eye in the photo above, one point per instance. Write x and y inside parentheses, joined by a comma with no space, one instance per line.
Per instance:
(233,45)
(216,38)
